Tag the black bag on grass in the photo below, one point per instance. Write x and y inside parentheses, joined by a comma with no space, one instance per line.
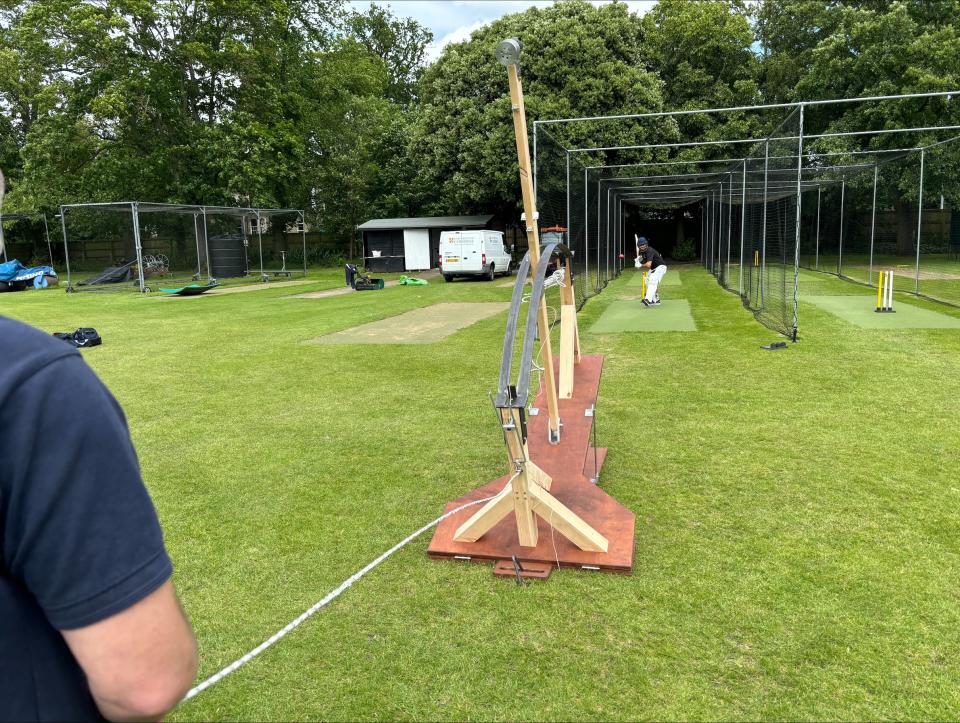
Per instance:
(82,337)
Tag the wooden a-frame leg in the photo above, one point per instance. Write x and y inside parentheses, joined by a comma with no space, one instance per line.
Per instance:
(567,522)
(484,519)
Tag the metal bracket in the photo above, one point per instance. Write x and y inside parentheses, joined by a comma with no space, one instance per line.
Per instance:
(554,437)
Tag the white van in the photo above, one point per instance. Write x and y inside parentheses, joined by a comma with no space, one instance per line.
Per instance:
(473,253)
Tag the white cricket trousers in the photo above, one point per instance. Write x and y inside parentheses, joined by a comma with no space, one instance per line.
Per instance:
(653,281)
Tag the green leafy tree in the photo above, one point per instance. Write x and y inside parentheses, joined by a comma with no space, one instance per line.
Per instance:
(400,43)
(578,60)
(868,48)
(703,52)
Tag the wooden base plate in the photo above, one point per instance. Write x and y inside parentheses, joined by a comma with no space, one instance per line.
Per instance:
(572,464)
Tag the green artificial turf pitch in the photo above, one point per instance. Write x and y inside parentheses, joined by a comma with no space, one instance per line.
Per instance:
(631,315)
(418,326)
(859,310)
(798,512)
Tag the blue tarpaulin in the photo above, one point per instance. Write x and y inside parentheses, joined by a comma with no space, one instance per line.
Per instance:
(15,271)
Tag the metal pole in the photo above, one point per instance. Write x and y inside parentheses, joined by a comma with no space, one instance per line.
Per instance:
(46,233)
(796,250)
(586,228)
(763,247)
(873,223)
(843,194)
(196,237)
(730,109)
(135,215)
(703,254)
(816,262)
(729,224)
(533,160)
(599,206)
(206,243)
(916,287)
(66,251)
(568,202)
(303,238)
(609,224)
(263,276)
(743,222)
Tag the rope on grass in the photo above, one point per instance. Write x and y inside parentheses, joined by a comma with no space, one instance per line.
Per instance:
(330,597)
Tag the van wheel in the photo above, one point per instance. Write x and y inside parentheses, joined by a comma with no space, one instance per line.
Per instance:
(490,273)
(447,277)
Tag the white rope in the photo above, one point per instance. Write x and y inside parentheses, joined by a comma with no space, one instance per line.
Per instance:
(330,597)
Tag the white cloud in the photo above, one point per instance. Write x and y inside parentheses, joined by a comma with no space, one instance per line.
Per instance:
(454,36)
(452,21)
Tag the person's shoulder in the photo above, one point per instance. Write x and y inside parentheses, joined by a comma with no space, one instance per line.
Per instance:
(24,350)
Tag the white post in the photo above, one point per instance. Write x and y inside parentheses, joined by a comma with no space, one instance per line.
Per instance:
(916,288)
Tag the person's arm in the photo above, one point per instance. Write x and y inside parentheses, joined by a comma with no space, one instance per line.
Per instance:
(82,536)
(140,662)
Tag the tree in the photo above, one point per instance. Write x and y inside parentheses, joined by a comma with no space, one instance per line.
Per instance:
(578,60)
(703,52)
(869,48)
(400,43)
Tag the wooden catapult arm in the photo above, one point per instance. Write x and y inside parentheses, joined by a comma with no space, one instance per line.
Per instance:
(527,494)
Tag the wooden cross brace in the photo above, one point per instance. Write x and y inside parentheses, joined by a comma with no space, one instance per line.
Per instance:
(527,495)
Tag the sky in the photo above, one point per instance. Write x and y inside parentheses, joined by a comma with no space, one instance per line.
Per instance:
(452,21)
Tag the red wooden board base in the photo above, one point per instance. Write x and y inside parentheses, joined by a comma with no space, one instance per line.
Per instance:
(572,464)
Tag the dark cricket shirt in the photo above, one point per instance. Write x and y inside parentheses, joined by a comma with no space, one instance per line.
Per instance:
(79,537)
(651,254)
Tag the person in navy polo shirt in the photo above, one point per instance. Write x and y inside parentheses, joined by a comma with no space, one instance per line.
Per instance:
(90,625)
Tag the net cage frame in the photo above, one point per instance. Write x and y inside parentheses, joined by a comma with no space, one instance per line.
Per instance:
(713,195)
(25,216)
(199,212)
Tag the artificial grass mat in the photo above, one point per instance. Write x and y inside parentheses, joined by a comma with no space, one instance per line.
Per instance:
(789,566)
(859,310)
(418,326)
(625,315)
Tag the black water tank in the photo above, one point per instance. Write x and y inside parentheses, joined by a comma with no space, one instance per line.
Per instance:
(228,256)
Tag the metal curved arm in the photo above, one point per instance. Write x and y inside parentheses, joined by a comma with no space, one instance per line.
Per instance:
(507,396)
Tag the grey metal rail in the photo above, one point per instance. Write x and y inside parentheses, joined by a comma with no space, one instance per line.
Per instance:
(509,397)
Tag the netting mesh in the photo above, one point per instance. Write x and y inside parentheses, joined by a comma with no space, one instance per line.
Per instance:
(754,207)
(115,247)
(577,206)
(893,214)
(820,190)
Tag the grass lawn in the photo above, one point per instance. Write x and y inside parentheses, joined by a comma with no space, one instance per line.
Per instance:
(798,511)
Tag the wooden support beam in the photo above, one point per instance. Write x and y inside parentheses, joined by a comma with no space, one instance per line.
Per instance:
(484,519)
(533,241)
(567,522)
(568,331)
